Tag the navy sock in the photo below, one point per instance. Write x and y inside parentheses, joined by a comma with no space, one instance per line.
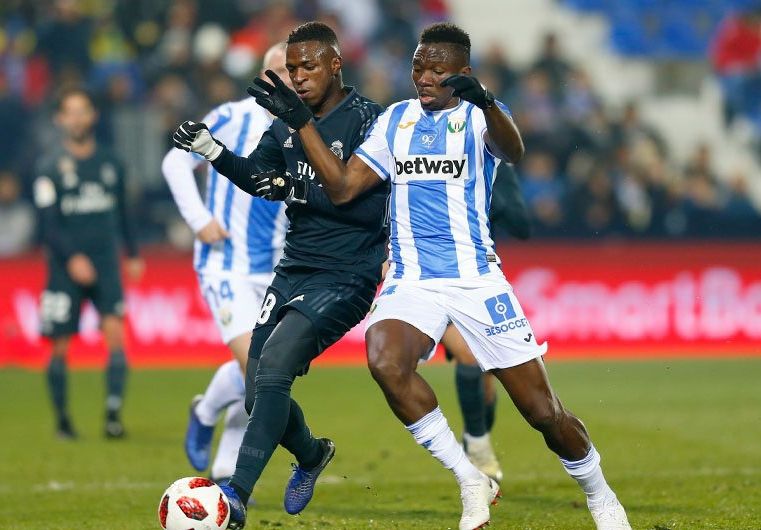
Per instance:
(116,376)
(265,429)
(298,439)
(470,393)
(56,375)
(491,408)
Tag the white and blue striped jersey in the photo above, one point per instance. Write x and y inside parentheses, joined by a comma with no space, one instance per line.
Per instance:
(257,227)
(442,173)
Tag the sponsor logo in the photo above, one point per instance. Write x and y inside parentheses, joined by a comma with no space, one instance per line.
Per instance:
(528,339)
(455,125)
(305,169)
(407,124)
(500,308)
(337,148)
(428,139)
(431,165)
(506,327)
(288,143)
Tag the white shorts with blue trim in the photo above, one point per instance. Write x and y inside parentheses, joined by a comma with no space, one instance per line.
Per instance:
(485,311)
(234,300)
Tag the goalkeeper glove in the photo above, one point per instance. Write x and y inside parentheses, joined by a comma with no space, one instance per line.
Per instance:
(468,88)
(275,186)
(280,101)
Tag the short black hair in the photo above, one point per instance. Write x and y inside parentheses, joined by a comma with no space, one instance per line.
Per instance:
(314,31)
(74,90)
(448,33)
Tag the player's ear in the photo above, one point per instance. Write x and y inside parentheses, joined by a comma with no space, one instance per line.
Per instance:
(466,70)
(335,64)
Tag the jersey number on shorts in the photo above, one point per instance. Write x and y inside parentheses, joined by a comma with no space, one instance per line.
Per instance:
(225,292)
(267,305)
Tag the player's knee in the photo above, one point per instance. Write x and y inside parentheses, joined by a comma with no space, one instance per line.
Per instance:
(545,416)
(386,370)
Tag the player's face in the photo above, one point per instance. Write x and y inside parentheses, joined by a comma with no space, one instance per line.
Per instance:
(276,62)
(431,64)
(313,66)
(76,117)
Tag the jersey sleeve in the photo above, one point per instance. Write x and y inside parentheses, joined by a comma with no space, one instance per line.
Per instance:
(177,168)
(126,221)
(374,151)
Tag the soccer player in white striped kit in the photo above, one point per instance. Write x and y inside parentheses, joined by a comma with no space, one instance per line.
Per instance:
(440,151)
(239,241)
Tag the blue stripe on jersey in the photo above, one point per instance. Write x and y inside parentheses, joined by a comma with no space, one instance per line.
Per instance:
(227,261)
(393,124)
(259,234)
(375,164)
(203,257)
(470,194)
(429,212)
(489,176)
(429,206)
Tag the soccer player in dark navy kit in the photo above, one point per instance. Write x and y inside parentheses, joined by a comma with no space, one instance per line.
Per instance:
(326,281)
(80,194)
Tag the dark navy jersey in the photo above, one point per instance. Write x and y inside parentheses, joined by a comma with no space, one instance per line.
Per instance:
(82,204)
(322,237)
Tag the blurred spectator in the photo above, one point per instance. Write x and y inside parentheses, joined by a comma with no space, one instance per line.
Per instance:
(631,130)
(65,39)
(543,190)
(12,138)
(17,217)
(736,57)
(552,64)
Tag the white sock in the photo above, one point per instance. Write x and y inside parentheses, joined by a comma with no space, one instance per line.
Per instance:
(432,432)
(236,420)
(226,387)
(588,474)
(477,442)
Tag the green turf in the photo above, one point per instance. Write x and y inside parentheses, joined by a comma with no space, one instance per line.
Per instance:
(681,445)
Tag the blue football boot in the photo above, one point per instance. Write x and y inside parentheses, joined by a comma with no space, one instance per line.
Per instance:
(198,439)
(300,487)
(237,508)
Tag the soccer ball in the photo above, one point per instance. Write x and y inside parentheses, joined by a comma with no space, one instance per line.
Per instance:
(193,503)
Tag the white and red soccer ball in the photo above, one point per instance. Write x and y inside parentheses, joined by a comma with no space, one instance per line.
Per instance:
(193,503)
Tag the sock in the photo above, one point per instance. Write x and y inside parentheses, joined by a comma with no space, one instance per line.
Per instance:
(116,376)
(470,393)
(264,430)
(432,432)
(588,473)
(298,439)
(57,386)
(236,419)
(226,387)
(489,412)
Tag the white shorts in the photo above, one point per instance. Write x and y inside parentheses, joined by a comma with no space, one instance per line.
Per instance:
(484,310)
(234,300)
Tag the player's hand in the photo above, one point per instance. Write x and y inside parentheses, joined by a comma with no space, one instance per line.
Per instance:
(468,88)
(81,269)
(280,100)
(212,233)
(275,186)
(195,137)
(135,268)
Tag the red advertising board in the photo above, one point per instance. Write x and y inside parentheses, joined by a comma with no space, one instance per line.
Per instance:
(587,300)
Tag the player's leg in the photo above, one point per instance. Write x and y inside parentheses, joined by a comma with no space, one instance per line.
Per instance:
(59,319)
(530,390)
(498,333)
(405,323)
(235,423)
(470,385)
(112,327)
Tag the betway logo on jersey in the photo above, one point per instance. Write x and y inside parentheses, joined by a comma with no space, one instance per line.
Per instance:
(431,167)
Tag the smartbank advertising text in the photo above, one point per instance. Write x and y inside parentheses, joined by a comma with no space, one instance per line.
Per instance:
(587,301)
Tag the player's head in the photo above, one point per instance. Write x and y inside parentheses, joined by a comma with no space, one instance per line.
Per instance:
(313,60)
(443,50)
(274,59)
(76,113)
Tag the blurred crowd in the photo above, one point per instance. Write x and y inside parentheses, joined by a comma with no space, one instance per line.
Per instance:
(590,170)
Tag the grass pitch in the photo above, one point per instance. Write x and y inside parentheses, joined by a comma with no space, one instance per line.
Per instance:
(680,441)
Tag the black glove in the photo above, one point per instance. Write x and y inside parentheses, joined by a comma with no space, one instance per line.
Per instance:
(468,88)
(195,137)
(280,101)
(275,186)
